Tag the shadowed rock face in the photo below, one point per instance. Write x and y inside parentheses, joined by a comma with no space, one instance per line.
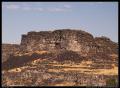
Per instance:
(78,41)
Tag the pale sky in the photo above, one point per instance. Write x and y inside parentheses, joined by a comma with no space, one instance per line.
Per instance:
(97,18)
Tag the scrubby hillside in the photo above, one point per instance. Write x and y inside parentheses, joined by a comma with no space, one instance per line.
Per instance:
(60,58)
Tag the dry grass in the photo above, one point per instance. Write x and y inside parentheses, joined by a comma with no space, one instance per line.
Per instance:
(113,71)
(84,67)
(65,84)
(15,70)
(55,70)
(82,64)
(41,52)
(30,53)
(34,62)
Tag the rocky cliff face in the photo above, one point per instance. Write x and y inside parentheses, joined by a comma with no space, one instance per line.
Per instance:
(56,40)
(74,40)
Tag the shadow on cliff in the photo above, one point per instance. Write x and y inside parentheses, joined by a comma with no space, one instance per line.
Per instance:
(69,55)
(18,61)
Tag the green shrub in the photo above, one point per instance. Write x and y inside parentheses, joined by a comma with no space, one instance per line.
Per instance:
(111,82)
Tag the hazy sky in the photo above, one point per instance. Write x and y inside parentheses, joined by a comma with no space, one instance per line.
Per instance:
(97,18)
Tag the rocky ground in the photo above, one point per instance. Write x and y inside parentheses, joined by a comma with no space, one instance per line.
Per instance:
(43,68)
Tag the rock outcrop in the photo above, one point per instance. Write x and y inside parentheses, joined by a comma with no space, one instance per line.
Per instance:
(106,45)
(77,41)
(73,40)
